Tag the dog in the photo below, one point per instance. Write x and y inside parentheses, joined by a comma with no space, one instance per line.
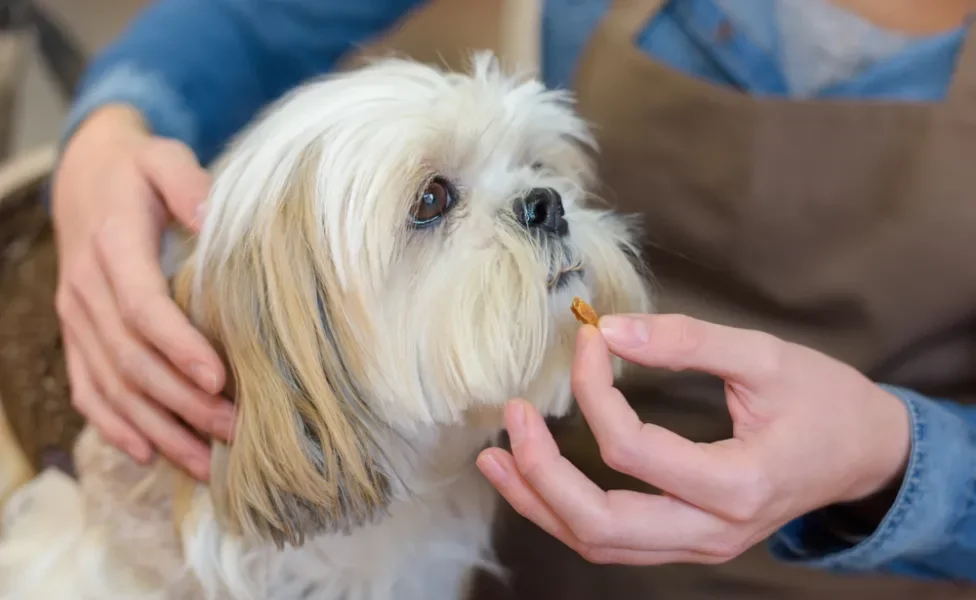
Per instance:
(388,255)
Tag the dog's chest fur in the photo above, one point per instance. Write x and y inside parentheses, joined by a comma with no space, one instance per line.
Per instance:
(425,549)
(420,552)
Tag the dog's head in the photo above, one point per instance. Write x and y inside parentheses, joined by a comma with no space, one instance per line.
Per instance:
(386,250)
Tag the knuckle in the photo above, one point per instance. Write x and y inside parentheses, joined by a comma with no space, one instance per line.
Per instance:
(135,311)
(769,354)
(687,335)
(531,468)
(592,533)
(82,403)
(80,275)
(751,497)
(130,363)
(579,380)
(115,394)
(744,509)
(619,455)
(104,239)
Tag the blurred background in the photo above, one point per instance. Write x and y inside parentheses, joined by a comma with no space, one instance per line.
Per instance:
(451,24)
(39,108)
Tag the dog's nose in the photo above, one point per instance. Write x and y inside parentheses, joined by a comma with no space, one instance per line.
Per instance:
(542,209)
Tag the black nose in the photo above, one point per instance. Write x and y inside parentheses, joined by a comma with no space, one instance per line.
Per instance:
(542,209)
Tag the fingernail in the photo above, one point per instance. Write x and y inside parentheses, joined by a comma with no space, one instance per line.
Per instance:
(625,332)
(516,419)
(223,424)
(204,377)
(492,469)
(199,466)
(138,452)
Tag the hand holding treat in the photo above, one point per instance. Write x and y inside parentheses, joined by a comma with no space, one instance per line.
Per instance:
(809,432)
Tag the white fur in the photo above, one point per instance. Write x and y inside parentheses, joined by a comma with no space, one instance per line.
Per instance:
(460,318)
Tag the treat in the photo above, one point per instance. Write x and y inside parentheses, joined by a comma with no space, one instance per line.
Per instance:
(583,312)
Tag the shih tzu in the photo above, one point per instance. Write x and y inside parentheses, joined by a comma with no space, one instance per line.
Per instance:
(388,255)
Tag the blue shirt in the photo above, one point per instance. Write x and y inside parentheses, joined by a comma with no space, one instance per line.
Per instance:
(199,70)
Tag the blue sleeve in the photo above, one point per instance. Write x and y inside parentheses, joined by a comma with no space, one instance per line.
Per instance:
(199,70)
(930,529)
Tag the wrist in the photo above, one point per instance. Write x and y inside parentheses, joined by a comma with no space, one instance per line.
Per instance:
(888,446)
(111,121)
(108,132)
(111,127)
(895,444)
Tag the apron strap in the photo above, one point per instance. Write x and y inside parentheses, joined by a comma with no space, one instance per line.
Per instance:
(962,89)
(630,16)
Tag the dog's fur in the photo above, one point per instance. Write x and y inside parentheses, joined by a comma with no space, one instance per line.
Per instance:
(370,357)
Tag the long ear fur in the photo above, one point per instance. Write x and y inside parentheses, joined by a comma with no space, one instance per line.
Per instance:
(305,457)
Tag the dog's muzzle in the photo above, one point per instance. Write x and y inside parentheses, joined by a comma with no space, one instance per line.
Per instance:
(542,214)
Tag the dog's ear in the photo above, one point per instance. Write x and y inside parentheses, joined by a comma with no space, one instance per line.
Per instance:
(305,457)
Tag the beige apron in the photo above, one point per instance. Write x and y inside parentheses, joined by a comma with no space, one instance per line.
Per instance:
(848,226)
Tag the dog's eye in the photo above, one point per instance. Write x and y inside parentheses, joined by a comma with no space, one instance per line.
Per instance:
(433,202)
(538,166)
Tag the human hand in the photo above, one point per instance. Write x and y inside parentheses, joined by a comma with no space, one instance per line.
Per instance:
(809,432)
(133,358)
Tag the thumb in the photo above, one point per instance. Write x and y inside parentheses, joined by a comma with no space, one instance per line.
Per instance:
(678,342)
(173,170)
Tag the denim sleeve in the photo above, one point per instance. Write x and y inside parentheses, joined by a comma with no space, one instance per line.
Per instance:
(199,70)
(930,530)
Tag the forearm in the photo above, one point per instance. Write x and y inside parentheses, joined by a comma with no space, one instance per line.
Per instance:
(925,526)
(199,70)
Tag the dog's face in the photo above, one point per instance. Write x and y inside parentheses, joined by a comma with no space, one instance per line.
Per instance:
(387,250)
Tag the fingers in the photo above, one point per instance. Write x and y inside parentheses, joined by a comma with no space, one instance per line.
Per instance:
(679,342)
(500,468)
(618,526)
(172,439)
(89,402)
(616,519)
(173,170)
(131,263)
(546,469)
(707,476)
(148,372)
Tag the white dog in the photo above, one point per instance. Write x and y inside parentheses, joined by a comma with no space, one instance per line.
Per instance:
(388,255)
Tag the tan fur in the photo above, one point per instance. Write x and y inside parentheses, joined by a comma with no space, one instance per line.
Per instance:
(264,309)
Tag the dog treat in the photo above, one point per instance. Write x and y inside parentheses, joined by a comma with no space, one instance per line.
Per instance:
(583,312)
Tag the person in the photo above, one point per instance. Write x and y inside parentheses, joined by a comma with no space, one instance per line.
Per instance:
(802,171)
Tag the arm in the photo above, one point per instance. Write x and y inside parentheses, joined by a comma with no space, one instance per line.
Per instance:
(199,70)
(925,527)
